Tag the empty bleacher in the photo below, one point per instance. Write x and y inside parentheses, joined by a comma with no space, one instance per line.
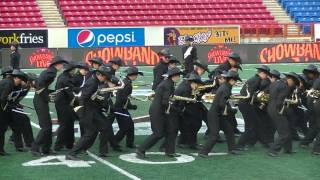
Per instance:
(303,11)
(250,14)
(20,14)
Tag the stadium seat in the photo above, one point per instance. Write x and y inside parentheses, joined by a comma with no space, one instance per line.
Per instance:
(305,12)
(165,12)
(20,14)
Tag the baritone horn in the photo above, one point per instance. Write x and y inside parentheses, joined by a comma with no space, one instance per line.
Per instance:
(263,98)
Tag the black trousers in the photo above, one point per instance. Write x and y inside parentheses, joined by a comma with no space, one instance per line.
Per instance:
(4,122)
(188,67)
(93,122)
(215,124)
(191,123)
(44,137)
(126,128)
(283,127)
(316,144)
(250,117)
(313,129)
(161,127)
(65,132)
(265,127)
(22,131)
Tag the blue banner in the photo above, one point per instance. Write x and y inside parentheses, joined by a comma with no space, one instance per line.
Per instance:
(105,37)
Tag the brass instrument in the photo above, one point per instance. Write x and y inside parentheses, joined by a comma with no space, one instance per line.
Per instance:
(287,102)
(99,92)
(181,98)
(204,87)
(236,98)
(139,99)
(208,97)
(239,84)
(313,93)
(53,95)
(263,98)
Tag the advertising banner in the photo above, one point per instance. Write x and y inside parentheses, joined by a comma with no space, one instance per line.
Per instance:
(26,38)
(105,37)
(147,55)
(317,32)
(202,35)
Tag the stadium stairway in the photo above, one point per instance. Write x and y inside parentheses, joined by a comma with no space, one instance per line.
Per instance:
(50,13)
(280,15)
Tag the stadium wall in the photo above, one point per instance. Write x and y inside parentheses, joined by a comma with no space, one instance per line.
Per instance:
(147,55)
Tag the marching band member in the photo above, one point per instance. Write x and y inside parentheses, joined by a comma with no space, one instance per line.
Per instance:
(115,63)
(312,73)
(247,107)
(279,92)
(193,115)
(233,62)
(7,86)
(218,116)
(43,141)
(159,109)
(161,68)
(122,105)
(90,113)
(21,120)
(64,108)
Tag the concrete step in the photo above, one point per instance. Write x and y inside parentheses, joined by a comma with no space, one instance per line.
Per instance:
(50,13)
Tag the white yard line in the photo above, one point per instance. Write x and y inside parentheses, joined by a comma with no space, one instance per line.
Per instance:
(114,167)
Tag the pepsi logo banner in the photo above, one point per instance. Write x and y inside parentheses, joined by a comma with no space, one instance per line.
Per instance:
(105,37)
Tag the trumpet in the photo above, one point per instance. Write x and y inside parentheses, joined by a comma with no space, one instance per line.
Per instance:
(287,102)
(263,98)
(313,93)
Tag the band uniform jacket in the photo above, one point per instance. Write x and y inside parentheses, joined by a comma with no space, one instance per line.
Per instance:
(43,82)
(122,96)
(158,71)
(160,103)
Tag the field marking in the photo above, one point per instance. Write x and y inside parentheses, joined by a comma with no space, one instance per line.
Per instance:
(212,154)
(131,157)
(47,161)
(114,167)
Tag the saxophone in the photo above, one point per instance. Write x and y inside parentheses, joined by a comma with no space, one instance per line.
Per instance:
(97,94)
(313,93)
(179,98)
(292,101)
(204,87)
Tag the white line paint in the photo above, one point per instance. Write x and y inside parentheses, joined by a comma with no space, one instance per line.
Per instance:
(114,167)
